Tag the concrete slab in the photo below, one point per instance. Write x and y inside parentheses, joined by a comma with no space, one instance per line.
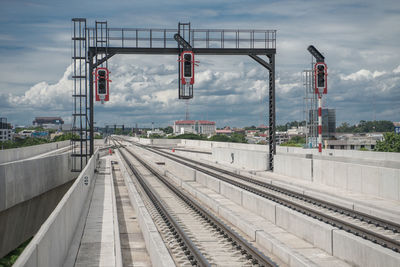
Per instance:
(259,205)
(313,231)
(231,192)
(283,244)
(50,246)
(360,252)
(98,246)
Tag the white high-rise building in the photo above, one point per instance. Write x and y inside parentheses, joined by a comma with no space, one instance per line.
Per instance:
(196,127)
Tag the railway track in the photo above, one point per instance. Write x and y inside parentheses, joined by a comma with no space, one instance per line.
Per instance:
(376,230)
(194,232)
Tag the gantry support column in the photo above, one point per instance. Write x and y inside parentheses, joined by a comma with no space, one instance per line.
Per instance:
(272,116)
(271,104)
(91,102)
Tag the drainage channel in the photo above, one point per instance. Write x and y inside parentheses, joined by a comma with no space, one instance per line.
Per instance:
(133,246)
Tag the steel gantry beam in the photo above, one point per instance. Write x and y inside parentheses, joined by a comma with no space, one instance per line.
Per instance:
(253,43)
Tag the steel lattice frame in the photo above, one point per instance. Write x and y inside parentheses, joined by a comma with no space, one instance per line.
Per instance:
(253,43)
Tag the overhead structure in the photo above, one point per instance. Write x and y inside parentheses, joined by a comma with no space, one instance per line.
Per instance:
(100,43)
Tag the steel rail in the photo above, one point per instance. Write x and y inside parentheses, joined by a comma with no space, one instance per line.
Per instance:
(336,222)
(252,253)
(193,254)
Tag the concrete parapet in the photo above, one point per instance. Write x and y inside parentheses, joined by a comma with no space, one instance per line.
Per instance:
(297,166)
(241,158)
(317,233)
(362,252)
(212,144)
(231,192)
(259,205)
(23,180)
(355,154)
(51,244)
(368,179)
(165,142)
(208,181)
(184,172)
(13,154)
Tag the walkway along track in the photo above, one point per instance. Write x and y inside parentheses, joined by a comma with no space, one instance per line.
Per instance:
(242,247)
(346,219)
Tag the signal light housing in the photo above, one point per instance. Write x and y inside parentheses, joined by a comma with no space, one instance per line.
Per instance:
(187,67)
(321,73)
(102,84)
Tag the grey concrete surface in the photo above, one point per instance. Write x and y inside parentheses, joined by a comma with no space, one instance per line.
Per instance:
(320,235)
(362,252)
(290,249)
(25,179)
(29,151)
(241,158)
(23,220)
(100,243)
(51,244)
(159,254)
(373,177)
(29,191)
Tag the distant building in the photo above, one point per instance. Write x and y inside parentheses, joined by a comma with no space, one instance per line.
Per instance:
(297,131)
(155,131)
(6,132)
(196,127)
(354,142)
(281,137)
(48,122)
(328,122)
(227,131)
(262,126)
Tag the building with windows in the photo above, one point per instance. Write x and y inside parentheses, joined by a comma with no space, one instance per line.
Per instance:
(48,122)
(328,123)
(354,142)
(6,132)
(196,127)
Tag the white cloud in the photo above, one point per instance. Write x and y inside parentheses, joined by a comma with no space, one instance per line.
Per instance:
(362,74)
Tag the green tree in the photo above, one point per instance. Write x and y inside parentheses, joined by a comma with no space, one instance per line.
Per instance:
(168,130)
(155,136)
(67,136)
(189,136)
(238,138)
(220,138)
(390,143)
(366,127)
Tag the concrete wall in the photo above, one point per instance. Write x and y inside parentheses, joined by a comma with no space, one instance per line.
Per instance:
(29,191)
(293,165)
(29,151)
(362,175)
(361,178)
(50,245)
(23,180)
(211,144)
(240,158)
(366,155)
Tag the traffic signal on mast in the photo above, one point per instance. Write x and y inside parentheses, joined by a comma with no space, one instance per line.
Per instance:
(321,74)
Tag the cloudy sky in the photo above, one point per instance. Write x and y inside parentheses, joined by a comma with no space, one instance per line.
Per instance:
(360,41)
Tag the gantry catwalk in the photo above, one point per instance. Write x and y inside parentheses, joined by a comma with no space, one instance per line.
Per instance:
(93,46)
